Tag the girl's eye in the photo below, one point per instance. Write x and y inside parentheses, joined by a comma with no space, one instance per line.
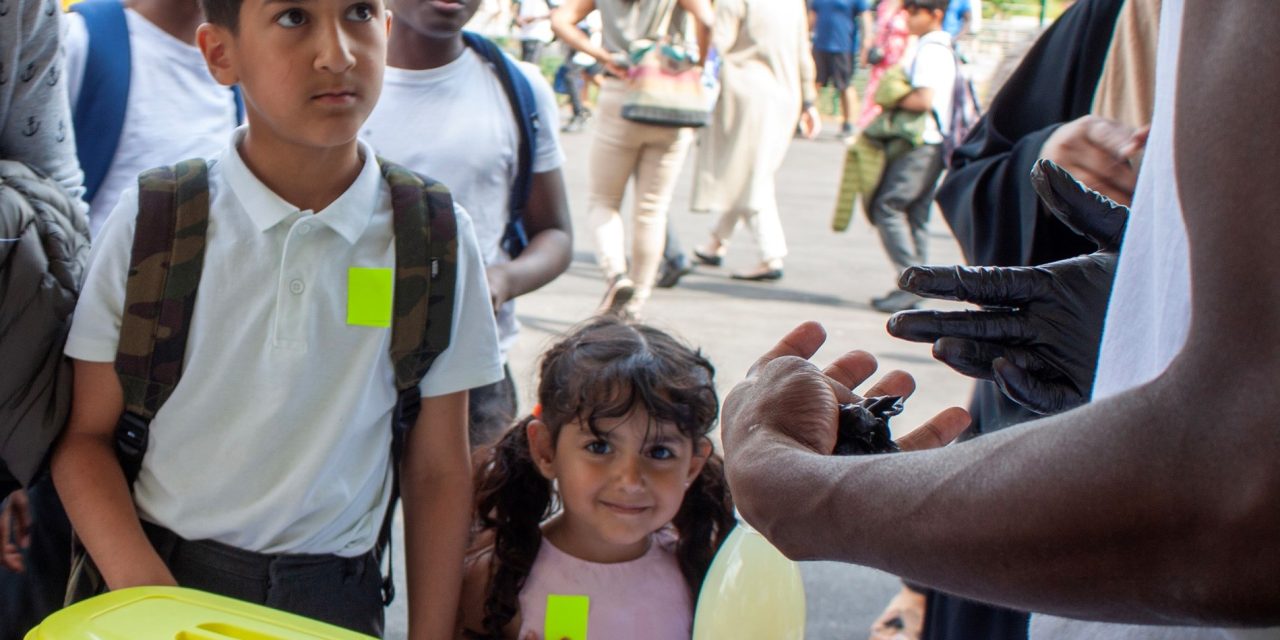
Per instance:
(598,447)
(360,12)
(292,18)
(661,453)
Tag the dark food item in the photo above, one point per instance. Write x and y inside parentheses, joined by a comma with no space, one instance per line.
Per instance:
(864,426)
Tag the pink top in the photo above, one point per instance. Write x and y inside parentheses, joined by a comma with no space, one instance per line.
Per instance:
(642,599)
(891,37)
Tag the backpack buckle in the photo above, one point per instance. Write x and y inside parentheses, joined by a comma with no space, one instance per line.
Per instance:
(132,434)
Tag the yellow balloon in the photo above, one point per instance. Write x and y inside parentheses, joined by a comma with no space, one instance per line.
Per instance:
(752,592)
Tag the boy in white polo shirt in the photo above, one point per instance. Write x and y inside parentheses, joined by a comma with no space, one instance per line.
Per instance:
(268,472)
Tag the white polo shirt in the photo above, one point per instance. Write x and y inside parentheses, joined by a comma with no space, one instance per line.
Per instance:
(277,438)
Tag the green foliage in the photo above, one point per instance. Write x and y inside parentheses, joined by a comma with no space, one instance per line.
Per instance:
(1009,8)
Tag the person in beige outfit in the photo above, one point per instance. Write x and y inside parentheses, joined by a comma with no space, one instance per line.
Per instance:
(624,151)
(767,84)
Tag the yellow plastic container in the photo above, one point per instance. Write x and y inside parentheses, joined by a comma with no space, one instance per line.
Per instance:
(174,613)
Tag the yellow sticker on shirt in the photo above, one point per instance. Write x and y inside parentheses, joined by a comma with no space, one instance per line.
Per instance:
(369,297)
(566,617)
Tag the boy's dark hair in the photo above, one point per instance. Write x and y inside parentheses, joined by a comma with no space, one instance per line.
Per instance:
(224,13)
(930,5)
(607,368)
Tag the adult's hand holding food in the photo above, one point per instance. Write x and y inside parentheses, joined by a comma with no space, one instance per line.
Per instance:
(787,407)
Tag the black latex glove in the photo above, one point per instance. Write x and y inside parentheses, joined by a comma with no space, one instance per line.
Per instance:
(1038,333)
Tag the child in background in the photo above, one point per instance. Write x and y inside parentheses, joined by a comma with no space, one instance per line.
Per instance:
(472,144)
(610,490)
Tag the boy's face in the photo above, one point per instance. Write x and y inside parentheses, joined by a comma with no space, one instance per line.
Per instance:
(434,18)
(310,70)
(921,20)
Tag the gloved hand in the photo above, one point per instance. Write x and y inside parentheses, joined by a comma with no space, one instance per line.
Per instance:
(1039,330)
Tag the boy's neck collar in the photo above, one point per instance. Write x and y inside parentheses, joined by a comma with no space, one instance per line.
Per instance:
(306,178)
(409,49)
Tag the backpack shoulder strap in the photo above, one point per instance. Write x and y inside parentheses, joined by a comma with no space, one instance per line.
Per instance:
(164,273)
(104,93)
(426,236)
(524,105)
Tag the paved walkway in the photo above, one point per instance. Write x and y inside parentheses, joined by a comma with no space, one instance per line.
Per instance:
(829,277)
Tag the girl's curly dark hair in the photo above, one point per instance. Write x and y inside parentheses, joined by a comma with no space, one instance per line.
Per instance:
(604,369)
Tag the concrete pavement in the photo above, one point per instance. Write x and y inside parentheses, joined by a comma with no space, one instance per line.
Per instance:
(829,277)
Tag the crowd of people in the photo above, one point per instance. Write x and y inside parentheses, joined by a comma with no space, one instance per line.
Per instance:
(311,220)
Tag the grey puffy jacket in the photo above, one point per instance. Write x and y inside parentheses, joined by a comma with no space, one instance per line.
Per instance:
(44,245)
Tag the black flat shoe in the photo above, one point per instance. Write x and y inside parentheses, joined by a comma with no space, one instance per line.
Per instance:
(709,259)
(764,275)
(671,272)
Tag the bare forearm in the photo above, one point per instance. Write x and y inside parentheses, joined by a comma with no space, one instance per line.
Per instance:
(701,11)
(546,257)
(93,491)
(1111,523)
(564,22)
(436,512)
(919,101)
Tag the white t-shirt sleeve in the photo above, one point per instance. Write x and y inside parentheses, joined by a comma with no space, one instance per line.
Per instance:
(472,358)
(933,68)
(75,49)
(549,155)
(95,326)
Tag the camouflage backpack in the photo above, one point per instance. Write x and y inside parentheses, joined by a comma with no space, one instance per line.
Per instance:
(164,274)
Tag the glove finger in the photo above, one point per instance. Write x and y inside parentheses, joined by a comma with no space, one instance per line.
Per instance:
(969,357)
(1009,327)
(977,359)
(1084,210)
(986,286)
(1032,392)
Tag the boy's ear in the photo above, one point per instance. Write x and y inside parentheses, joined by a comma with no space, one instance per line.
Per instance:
(701,451)
(217,44)
(542,447)
(389,18)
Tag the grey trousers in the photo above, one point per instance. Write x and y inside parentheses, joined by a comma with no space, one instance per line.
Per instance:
(900,208)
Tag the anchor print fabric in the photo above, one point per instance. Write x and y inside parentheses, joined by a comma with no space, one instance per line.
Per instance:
(35,118)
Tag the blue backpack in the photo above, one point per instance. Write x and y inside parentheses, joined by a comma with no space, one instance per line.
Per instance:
(525,107)
(104,92)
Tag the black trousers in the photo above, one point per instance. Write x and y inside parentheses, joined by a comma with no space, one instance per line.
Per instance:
(948,617)
(346,592)
(28,598)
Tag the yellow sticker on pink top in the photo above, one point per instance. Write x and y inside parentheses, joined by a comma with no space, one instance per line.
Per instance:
(369,297)
(566,617)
